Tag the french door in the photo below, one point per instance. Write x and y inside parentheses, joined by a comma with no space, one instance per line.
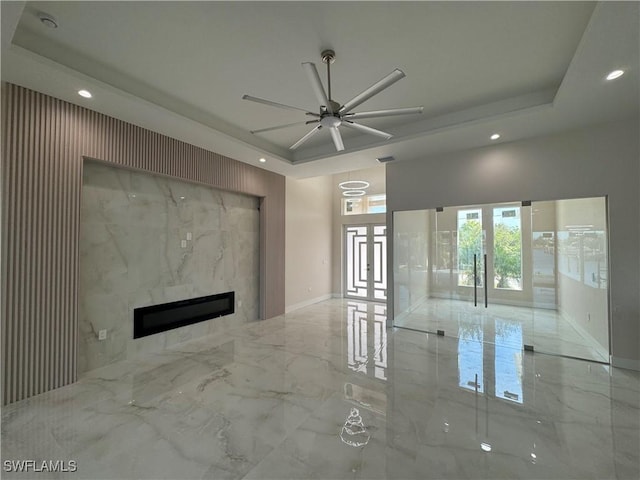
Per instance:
(481,254)
(365,268)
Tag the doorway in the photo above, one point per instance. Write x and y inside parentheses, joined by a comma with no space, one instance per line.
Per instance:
(540,268)
(365,262)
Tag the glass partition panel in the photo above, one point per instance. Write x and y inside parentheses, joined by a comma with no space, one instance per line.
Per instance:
(570,264)
(541,266)
(411,263)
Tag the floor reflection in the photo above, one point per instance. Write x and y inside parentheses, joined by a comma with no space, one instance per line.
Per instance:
(305,396)
(357,336)
(353,432)
(470,358)
(367,354)
(547,330)
(508,360)
(505,344)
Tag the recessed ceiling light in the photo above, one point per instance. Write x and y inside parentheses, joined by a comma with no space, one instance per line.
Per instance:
(615,74)
(85,93)
(48,20)
(263,160)
(495,136)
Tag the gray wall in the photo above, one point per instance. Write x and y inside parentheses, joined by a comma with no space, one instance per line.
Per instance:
(146,240)
(597,161)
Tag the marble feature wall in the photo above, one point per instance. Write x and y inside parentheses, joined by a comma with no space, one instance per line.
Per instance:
(45,143)
(148,239)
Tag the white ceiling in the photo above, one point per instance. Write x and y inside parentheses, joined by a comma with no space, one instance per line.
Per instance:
(181,68)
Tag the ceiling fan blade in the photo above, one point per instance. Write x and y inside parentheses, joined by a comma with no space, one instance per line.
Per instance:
(283,126)
(374,89)
(316,83)
(337,138)
(385,113)
(365,129)
(276,104)
(306,137)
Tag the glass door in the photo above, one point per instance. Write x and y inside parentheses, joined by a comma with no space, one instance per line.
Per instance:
(527,275)
(365,268)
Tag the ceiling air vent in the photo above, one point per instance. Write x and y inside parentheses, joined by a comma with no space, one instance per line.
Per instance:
(390,158)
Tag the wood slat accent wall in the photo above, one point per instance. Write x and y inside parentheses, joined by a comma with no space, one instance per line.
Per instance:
(44,143)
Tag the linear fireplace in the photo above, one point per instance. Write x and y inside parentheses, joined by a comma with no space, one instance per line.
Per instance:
(167,316)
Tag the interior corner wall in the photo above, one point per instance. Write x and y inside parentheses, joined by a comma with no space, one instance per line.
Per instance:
(45,141)
(596,161)
(308,240)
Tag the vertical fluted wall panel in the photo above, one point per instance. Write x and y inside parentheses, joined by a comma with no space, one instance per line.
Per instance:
(44,143)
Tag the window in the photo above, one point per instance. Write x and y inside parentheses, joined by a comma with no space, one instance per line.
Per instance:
(364,205)
(507,248)
(469,244)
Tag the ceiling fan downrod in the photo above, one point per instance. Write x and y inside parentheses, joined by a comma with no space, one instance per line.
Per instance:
(328,57)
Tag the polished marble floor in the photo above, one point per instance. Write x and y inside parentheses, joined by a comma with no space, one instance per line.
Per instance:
(546,330)
(327,392)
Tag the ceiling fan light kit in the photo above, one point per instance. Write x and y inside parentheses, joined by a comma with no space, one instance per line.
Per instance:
(332,115)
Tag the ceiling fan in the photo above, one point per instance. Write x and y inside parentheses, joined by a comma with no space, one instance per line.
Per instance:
(333,115)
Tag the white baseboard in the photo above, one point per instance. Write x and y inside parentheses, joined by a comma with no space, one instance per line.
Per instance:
(306,303)
(337,295)
(417,304)
(413,307)
(582,331)
(626,363)
(494,301)
(400,318)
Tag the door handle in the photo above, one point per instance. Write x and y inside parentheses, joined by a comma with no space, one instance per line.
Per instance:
(475,280)
(486,286)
